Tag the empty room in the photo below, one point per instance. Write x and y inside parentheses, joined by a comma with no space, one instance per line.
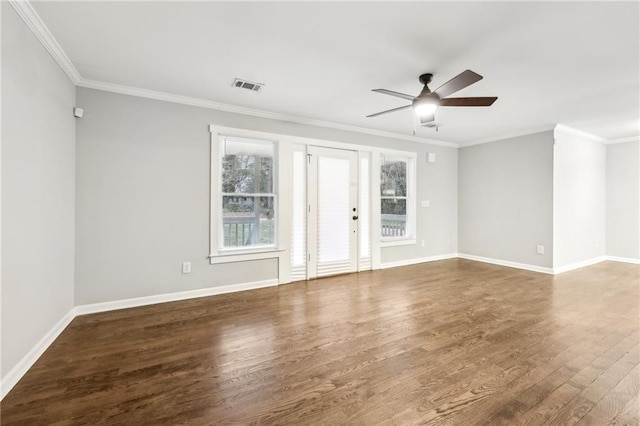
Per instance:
(320,213)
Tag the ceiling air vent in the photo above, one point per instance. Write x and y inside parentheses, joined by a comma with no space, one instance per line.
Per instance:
(249,85)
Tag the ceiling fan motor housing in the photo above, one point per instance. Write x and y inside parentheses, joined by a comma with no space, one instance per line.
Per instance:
(425,78)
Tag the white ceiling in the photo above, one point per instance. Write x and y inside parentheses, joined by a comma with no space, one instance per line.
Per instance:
(575,63)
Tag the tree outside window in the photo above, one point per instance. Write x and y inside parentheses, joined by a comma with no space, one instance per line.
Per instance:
(248,196)
(393,197)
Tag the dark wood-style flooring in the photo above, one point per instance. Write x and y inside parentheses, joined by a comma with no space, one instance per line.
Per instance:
(450,342)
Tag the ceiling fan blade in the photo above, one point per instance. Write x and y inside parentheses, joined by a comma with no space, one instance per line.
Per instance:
(396,94)
(468,102)
(388,111)
(459,82)
(425,120)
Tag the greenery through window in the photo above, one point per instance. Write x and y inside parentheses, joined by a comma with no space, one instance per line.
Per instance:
(393,197)
(248,196)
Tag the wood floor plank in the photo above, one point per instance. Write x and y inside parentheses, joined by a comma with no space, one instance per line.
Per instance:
(615,402)
(452,342)
(630,415)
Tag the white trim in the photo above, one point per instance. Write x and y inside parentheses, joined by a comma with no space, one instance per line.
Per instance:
(415,261)
(20,369)
(505,136)
(15,374)
(575,132)
(579,265)
(632,260)
(243,256)
(402,242)
(507,263)
(172,297)
(203,103)
(623,140)
(40,30)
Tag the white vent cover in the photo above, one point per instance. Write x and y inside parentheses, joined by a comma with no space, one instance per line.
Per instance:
(249,85)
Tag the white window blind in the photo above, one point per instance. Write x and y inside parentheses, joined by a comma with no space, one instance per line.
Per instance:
(299,215)
(333,216)
(364,260)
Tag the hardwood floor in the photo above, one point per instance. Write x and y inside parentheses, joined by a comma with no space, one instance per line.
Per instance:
(450,342)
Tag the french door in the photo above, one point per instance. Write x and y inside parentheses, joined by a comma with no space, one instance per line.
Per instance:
(332,222)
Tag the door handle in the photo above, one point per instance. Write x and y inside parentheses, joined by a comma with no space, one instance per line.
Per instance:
(355,218)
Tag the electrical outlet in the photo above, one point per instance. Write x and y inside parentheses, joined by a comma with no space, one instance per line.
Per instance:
(540,249)
(186,267)
(425,203)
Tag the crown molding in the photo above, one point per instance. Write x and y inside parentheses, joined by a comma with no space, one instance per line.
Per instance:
(507,136)
(33,21)
(38,27)
(579,133)
(623,140)
(203,103)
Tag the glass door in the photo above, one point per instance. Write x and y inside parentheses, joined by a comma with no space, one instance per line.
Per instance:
(332,211)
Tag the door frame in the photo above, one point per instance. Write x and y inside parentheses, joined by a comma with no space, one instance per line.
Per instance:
(285,144)
(314,152)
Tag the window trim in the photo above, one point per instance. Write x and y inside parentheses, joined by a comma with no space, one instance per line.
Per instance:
(218,253)
(284,151)
(410,237)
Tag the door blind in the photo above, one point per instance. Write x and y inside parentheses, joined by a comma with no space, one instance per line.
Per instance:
(334,219)
(299,216)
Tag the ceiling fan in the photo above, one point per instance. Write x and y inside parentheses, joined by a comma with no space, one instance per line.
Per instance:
(426,103)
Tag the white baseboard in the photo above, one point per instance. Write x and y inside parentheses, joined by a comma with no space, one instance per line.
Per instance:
(507,263)
(15,374)
(579,265)
(632,260)
(418,260)
(171,297)
(9,381)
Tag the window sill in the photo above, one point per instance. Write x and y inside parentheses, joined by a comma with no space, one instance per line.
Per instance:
(393,243)
(244,255)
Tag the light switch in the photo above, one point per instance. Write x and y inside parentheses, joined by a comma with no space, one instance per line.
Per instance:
(425,203)
(186,267)
(431,157)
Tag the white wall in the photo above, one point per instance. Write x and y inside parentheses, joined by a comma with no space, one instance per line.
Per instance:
(623,200)
(143,202)
(505,204)
(38,191)
(579,194)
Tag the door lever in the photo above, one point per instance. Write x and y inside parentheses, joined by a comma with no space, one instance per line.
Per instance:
(355,218)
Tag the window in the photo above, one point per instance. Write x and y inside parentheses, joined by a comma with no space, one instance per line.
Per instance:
(395,197)
(248,194)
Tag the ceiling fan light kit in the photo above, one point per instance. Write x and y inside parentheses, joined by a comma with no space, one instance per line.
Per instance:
(425,106)
(427,102)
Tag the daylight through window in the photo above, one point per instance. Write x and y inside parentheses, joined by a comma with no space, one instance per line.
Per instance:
(393,197)
(248,194)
